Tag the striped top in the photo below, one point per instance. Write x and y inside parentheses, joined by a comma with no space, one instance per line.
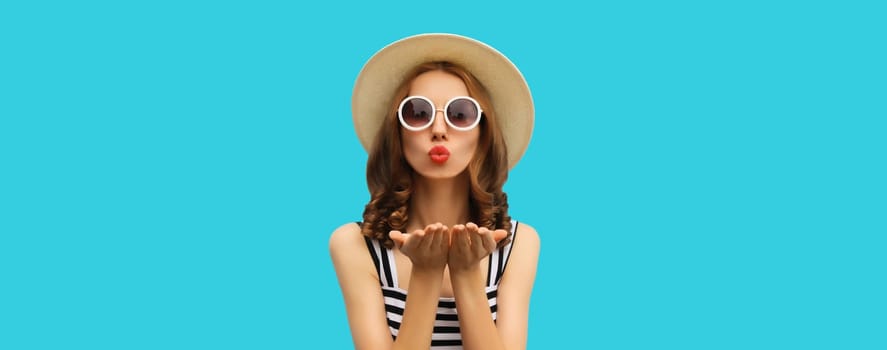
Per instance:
(446,333)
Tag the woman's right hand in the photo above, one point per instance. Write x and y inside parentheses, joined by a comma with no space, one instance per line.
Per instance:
(427,249)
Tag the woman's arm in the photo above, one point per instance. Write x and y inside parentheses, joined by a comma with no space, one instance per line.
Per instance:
(359,283)
(515,287)
(513,299)
(364,304)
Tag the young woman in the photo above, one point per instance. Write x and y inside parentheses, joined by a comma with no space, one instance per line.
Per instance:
(437,261)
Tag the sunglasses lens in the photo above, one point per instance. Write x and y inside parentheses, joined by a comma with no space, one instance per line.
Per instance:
(462,113)
(416,112)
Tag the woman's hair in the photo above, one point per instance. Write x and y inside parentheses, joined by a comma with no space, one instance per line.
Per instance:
(389,176)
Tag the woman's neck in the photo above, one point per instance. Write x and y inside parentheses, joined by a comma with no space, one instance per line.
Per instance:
(439,200)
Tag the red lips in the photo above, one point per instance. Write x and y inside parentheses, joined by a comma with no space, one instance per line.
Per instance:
(439,154)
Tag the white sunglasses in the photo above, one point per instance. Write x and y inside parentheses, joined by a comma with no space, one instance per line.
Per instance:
(417,113)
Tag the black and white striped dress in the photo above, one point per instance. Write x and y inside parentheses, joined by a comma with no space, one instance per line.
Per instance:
(446,333)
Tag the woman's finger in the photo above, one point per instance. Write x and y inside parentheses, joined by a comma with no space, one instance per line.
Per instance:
(397,237)
(444,237)
(479,241)
(461,239)
(499,235)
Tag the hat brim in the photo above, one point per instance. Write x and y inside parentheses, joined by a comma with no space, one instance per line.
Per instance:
(384,72)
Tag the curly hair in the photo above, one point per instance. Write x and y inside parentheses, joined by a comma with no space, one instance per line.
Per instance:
(389,176)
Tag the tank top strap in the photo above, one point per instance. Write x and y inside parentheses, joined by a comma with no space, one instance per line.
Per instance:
(383,259)
(499,259)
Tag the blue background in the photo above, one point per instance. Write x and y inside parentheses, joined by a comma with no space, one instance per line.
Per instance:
(703,175)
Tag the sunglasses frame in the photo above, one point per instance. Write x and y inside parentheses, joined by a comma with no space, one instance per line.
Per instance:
(434,116)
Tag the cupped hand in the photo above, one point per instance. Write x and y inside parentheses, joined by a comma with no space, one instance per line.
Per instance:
(426,248)
(470,243)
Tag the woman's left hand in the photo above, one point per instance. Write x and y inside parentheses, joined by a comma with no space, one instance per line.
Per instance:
(469,244)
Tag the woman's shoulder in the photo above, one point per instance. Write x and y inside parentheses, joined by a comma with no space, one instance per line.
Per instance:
(346,237)
(523,228)
(527,235)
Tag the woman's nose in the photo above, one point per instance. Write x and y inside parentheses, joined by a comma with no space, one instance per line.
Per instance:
(439,126)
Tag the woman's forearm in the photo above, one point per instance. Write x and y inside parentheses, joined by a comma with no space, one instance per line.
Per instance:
(475,318)
(420,310)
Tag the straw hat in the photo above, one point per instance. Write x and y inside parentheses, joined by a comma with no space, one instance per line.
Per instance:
(376,84)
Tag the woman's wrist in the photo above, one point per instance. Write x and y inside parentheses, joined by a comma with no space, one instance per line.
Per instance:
(427,272)
(468,273)
(461,269)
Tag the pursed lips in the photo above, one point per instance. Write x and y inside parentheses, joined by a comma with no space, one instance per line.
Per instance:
(439,154)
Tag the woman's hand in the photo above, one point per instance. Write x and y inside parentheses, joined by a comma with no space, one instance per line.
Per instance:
(427,249)
(469,244)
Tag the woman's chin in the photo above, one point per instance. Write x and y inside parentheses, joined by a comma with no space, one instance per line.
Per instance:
(436,171)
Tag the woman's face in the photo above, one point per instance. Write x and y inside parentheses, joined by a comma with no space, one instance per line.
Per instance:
(425,150)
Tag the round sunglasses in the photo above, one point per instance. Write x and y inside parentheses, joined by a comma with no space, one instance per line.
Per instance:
(417,113)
